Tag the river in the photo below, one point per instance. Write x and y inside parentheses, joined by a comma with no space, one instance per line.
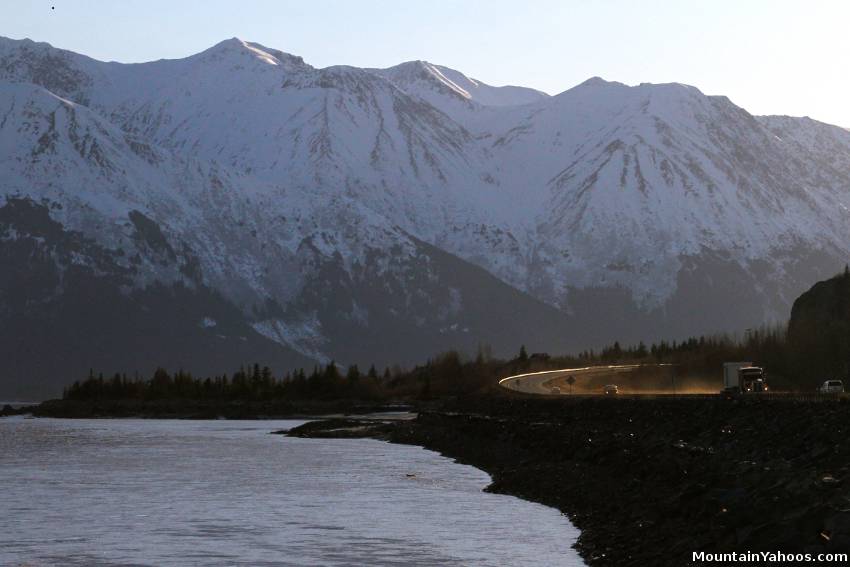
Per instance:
(180,492)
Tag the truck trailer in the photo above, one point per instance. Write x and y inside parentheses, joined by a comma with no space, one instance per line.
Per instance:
(743,378)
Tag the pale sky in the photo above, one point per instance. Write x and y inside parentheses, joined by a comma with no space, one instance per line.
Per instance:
(771,57)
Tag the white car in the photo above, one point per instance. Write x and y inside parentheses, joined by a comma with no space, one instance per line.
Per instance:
(832,387)
(611,389)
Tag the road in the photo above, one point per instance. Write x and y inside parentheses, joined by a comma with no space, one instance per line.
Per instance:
(590,380)
(543,382)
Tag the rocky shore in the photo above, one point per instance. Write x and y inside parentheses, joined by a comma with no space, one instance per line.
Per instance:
(649,481)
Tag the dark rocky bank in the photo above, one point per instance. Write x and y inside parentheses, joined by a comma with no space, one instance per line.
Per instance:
(8,409)
(649,481)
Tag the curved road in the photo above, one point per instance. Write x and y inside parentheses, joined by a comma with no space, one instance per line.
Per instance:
(543,382)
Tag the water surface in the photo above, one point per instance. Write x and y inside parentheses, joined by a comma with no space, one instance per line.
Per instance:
(169,492)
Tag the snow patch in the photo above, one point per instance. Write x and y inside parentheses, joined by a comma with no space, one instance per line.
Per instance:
(303,335)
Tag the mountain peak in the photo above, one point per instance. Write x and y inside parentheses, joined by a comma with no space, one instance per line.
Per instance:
(598,82)
(236,47)
(409,73)
(427,80)
(662,94)
(232,43)
(25,43)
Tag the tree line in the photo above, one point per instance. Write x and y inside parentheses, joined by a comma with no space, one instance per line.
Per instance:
(444,375)
(449,374)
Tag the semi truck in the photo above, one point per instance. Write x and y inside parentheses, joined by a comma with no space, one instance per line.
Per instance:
(743,378)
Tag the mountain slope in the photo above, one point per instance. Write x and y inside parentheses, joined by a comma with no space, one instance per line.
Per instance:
(295,281)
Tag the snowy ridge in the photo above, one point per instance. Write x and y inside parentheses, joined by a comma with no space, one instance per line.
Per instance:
(427,80)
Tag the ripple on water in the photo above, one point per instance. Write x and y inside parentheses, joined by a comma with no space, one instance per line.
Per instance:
(145,492)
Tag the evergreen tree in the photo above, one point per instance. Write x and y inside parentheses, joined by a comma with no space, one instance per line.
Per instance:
(353,374)
(523,355)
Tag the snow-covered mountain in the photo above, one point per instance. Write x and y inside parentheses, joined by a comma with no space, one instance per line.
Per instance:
(635,180)
(382,214)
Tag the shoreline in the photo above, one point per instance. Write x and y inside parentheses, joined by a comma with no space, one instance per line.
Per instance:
(649,482)
(202,409)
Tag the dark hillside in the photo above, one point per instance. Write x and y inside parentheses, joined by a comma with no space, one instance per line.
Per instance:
(819,330)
